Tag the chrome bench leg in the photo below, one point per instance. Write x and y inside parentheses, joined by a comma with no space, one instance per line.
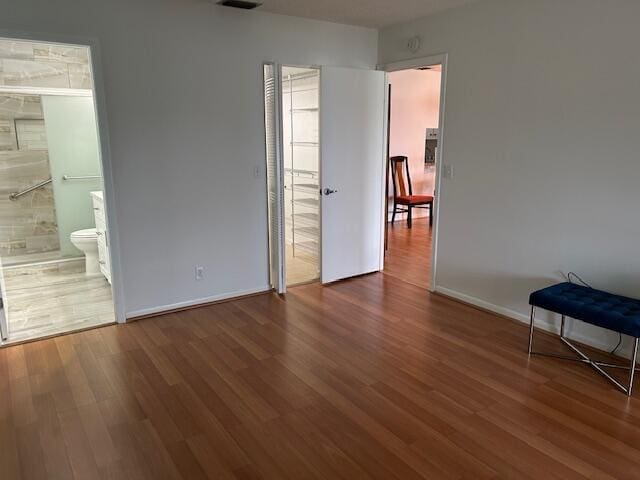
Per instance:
(584,358)
(632,370)
(533,313)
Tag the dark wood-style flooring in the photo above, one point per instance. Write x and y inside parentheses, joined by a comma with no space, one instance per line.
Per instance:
(368,378)
(408,255)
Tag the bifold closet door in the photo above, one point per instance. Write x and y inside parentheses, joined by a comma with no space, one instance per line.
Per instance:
(352,166)
(275,176)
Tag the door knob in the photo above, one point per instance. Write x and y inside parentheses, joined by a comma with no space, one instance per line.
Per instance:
(328,191)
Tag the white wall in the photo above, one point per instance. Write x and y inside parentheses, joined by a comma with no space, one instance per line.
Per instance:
(183,81)
(542,127)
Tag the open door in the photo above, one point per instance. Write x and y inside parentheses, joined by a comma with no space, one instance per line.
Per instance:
(352,171)
(275,179)
(4,324)
(4,330)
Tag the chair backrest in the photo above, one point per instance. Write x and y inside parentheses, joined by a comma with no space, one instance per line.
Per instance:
(400,175)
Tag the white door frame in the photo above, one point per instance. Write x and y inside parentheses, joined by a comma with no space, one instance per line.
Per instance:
(105,154)
(439,59)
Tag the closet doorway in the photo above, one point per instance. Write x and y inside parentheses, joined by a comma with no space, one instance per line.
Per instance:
(324,156)
(301,159)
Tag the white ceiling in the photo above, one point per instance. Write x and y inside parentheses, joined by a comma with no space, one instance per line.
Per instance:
(366,13)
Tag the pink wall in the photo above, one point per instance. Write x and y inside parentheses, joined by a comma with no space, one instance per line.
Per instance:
(415,99)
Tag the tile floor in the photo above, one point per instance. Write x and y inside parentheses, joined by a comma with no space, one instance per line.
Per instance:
(50,298)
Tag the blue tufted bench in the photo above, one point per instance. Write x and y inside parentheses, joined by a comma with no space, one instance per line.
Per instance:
(606,310)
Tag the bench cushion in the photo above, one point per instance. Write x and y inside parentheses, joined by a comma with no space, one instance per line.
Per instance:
(614,312)
(414,199)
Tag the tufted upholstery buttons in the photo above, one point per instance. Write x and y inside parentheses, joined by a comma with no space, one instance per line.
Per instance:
(614,312)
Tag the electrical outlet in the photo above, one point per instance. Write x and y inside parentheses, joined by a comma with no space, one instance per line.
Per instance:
(257,171)
(199,273)
(447,171)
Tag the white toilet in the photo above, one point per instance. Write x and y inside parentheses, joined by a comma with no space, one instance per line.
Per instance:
(87,241)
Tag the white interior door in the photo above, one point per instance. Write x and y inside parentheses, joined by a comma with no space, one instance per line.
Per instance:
(275,179)
(352,165)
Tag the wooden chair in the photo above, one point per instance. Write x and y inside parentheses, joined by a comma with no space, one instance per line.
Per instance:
(404,201)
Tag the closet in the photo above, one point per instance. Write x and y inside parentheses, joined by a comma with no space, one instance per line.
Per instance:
(301,159)
(324,128)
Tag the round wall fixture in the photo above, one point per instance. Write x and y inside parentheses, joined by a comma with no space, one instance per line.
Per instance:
(414,44)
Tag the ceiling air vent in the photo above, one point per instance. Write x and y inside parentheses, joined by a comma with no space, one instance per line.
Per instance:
(239,4)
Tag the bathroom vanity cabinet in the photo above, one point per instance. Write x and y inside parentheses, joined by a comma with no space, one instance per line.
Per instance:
(101,230)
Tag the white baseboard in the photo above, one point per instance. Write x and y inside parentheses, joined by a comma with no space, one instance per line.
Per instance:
(193,303)
(540,323)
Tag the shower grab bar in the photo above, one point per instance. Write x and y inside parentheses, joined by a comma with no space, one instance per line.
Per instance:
(16,195)
(81,177)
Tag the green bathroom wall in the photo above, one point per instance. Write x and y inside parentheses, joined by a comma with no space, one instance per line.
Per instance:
(72,138)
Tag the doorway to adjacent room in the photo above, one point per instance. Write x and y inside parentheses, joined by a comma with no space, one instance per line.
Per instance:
(414,137)
(55,268)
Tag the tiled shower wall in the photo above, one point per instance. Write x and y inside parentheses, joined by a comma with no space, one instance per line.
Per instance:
(28,224)
(29,64)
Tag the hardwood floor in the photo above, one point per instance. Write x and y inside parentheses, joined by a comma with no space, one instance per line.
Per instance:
(367,378)
(408,256)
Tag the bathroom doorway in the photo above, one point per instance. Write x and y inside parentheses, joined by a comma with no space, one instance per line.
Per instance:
(54,250)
